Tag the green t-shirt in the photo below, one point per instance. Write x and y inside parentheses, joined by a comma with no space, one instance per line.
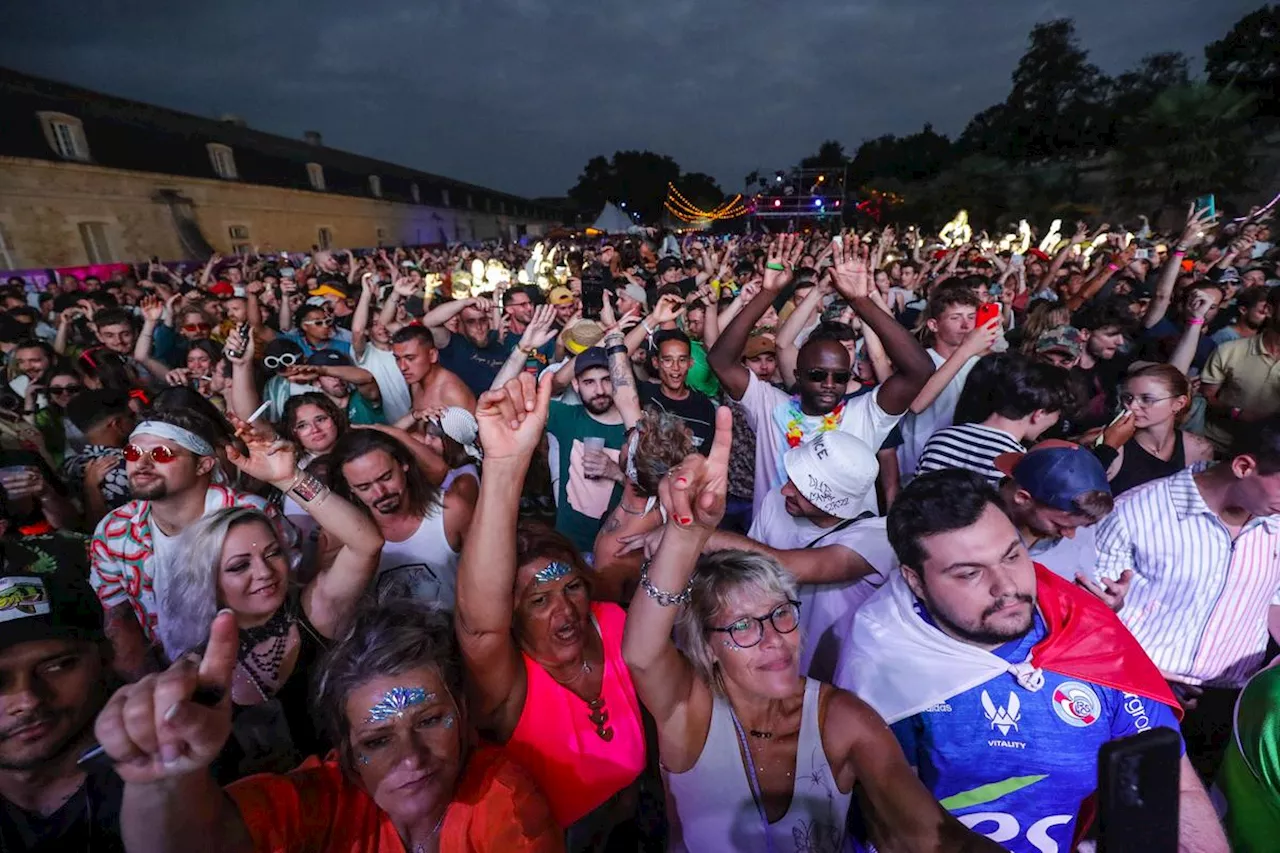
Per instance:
(360,411)
(1250,780)
(701,377)
(581,503)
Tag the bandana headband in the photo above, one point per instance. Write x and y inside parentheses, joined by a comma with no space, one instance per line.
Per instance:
(182,437)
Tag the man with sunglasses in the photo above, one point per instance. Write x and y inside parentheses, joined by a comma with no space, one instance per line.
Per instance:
(783,421)
(315,330)
(477,354)
(171,464)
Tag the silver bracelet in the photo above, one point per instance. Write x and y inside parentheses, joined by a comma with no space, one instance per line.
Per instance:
(664,599)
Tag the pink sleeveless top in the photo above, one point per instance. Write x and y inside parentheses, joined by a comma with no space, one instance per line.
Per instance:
(556,743)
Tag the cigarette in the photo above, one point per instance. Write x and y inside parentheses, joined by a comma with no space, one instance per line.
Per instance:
(257,414)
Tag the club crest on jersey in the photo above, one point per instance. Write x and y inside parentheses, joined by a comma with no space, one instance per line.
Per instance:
(1076,704)
(1003,718)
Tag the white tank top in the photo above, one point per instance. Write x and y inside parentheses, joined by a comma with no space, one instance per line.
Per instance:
(423,567)
(712,807)
(460,471)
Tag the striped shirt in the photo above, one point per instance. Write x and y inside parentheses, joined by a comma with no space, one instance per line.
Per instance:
(973,447)
(1199,601)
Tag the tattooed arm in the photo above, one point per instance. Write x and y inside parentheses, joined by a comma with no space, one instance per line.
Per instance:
(625,395)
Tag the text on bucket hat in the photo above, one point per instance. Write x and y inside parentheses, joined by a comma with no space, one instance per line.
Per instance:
(834,472)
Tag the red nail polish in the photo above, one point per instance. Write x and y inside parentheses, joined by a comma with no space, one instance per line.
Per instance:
(680,481)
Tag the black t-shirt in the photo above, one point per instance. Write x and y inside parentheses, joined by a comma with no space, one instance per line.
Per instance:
(89,821)
(696,410)
(475,366)
(1097,391)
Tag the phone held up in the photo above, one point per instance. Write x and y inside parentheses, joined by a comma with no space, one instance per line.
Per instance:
(1138,781)
(1206,204)
(986,313)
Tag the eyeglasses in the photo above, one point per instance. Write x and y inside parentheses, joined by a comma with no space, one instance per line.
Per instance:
(1144,400)
(323,321)
(159,454)
(65,389)
(840,377)
(288,359)
(196,327)
(749,630)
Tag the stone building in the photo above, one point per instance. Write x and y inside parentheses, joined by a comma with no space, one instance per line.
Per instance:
(87,178)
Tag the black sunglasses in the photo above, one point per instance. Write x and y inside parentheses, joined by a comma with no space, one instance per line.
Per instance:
(817,374)
(65,389)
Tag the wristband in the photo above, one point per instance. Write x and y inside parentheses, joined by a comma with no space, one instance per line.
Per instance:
(1112,267)
(1195,321)
(306,487)
(645,325)
(1178,250)
(776,267)
(615,349)
(663,599)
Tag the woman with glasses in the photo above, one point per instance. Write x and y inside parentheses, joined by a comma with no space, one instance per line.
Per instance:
(233,559)
(56,386)
(544,662)
(1147,443)
(754,756)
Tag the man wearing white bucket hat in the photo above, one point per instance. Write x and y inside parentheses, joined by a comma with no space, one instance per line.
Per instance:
(813,524)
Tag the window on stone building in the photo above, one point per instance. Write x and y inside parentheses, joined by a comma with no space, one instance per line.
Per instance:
(444,197)
(375,186)
(8,260)
(66,135)
(315,172)
(382,236)
(415,193)
(96,246)
(223,160)
(325,238)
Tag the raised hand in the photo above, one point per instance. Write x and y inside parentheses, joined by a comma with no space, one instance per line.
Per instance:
(669,308)
(512,418)
(97,469)
(178,376)
(303,374)
(849,271)
(982,338)
(1199,226)
(238,348)
(270,459)
(152,309)
(153,728)
(1082,234)
(1199,305)
(776,272)
(541,329)
(404,288)
(694,492)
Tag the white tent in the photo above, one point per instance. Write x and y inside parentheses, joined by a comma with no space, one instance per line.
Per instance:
(612,220)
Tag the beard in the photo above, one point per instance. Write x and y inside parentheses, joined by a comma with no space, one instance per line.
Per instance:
(388,504)
(980,633)
(153,490)
(47,752)
(598,405)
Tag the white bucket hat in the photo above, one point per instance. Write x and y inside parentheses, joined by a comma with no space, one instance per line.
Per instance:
(834,472)
(461,426)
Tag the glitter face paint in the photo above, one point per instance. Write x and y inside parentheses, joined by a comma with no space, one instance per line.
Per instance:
(551,572)
(396,701)
(447,722)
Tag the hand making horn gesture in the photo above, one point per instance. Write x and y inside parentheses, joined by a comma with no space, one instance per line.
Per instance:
(694,492)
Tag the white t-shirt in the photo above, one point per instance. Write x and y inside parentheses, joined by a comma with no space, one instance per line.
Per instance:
(917,429)
(826,610)
(396,399)
(769,411)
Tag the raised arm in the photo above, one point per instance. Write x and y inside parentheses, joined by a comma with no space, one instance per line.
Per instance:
(725,358)
(511,420)
(1193,233)
(1185,350)
(694,495)
(441,314)
(402,288)
(330,598)
(825,564)
(540,331)
(790,330)
(914,367)
(625,395)
(243,398)
(360,320)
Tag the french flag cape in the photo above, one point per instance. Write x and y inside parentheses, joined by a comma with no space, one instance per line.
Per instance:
(900,665)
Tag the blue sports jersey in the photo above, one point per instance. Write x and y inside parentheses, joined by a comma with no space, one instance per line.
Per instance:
(1015,765)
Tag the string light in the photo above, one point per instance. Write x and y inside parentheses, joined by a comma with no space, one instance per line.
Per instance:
(686,211)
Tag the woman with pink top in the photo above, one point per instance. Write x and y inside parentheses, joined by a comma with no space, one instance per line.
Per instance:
(544,663)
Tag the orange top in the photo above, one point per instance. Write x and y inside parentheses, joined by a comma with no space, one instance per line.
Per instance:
(317,809)
(576,768)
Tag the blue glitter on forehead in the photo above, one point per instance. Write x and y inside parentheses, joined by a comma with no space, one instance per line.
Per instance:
(396,701)
(551,572)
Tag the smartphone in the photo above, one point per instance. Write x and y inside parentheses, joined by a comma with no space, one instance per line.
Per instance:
(1138,793)
(987,312)
(592,294)
(1142,255)
(1017,259)
(1207,204)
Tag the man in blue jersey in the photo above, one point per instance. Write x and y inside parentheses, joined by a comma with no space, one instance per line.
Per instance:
(991,671)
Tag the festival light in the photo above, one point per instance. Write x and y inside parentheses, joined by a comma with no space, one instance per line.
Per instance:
(956,232)
(686,211)
(777,202)
(1050,242)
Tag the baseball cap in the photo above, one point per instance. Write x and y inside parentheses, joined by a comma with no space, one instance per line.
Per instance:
(669,263)
(560,296)
(1055,473)
(328,290)
(46,606)
(636,292)
(328,358)
(589,358)
(758,345)
(222,288)
(834,472)
(1061,338)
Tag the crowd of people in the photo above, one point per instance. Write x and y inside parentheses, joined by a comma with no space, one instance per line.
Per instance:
(809,541)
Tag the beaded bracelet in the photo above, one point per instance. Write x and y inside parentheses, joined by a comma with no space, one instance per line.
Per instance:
(664,599)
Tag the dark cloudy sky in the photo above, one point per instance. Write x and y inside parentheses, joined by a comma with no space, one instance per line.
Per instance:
(518,94)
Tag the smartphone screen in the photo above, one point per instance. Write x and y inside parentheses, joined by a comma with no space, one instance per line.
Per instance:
(1207,203)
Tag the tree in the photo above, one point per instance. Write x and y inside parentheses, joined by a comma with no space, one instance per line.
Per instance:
(830,156)
(701,190)
(640,179)
(1057,105)
(1248,57)
(1191,140)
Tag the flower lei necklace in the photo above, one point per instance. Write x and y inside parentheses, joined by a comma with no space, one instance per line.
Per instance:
(795,422)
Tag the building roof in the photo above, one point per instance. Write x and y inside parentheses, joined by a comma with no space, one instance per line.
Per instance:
(125,134)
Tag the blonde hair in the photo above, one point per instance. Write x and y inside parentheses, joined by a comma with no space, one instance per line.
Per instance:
(718,576)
